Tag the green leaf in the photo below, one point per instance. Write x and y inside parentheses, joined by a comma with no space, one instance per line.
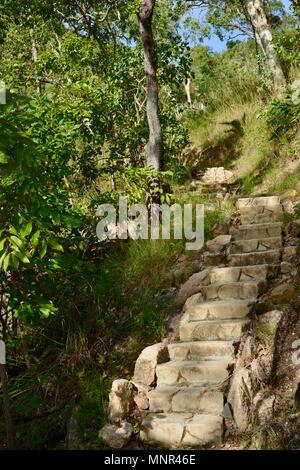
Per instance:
(6,262)
(26,230)
(22,257)
(2,258)
(17,242)
(55,245)
(35,238)
(2,243)
(43,250)
(14,261)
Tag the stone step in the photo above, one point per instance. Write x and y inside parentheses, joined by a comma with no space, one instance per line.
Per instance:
(256,257)
(213,330)
(237,274)
(181,430)
(195,350)
(262,244)
(197,399)
(258,201)
(254,231)
(261,214)
(191,372)
(214,259)
(234,290)
(220,309)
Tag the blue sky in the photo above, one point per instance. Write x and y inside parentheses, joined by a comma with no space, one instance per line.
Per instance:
(217,45)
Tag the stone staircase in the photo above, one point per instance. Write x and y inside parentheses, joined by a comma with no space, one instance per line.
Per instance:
(187,406)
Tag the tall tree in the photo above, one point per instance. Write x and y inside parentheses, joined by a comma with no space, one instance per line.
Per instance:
(155,132)
(263,32)
(252,18)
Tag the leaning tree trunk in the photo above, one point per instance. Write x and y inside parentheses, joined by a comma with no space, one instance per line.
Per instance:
(154,144)
(264,37)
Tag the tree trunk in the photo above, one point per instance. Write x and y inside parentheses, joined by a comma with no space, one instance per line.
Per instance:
(264,37)
(34,58)
(155,132)
(6,409)
(187,87)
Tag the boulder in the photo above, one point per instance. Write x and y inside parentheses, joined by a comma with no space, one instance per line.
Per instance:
(191,301)
(288,207)
(246,352)
(116,437)
(266,409)
(193,286)
(261,366)
(217,175)
(270,321)
(121,400)
(240,398)
(145,366)
(219,243)
(281,294)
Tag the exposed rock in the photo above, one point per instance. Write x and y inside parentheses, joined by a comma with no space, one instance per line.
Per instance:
(193,285)
(270,321)
(246,352)
(285,267)
(261,366)
(266,409)
(141,401)
(288,207)
(281,294)
(217,175)
(191,301)
(145,366)
(121,400)
(219,243)
(116,437)
(240,399)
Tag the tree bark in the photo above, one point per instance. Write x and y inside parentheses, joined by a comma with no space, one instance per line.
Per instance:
(155,132)
(187,87)
(264,38)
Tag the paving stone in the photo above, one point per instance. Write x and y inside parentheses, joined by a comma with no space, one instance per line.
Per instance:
(220,309)
(261,214)
(258,201)
(233,290)
(263,244)
(189,372)
(236,274)
(181,430)
(195,350)
(198,399)
(254,231)
(257,257)
(213,330)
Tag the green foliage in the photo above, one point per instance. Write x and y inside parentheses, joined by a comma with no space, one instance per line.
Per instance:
(283,114)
